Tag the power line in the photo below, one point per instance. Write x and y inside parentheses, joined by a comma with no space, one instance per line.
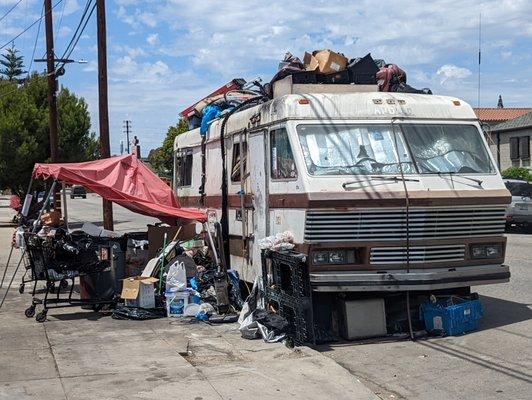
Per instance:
(60,18)
(32,54)
(35,43)
(30,26)
(77,34)
(9,11)
(78,27)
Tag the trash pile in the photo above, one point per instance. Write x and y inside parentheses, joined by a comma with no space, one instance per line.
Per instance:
(181,281)
(319,67)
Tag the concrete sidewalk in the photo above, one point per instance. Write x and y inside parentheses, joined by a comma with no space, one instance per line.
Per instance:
(78,354)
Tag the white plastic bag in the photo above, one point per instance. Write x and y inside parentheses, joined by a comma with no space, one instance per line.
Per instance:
(176,279)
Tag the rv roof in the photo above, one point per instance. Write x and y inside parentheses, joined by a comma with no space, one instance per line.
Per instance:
(339,106)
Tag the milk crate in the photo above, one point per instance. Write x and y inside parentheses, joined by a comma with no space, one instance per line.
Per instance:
(452,316)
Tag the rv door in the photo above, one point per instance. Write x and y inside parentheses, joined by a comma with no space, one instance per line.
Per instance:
(258,161)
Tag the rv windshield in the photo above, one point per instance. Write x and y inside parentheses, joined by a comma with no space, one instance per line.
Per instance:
(353,150)
(447,148)
(368,149)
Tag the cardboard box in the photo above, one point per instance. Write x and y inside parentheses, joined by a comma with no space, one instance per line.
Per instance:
(139,291)
(325,61)
(156,235)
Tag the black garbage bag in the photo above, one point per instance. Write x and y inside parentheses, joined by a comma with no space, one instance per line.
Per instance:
(77,253)
(274,322)
(137,313)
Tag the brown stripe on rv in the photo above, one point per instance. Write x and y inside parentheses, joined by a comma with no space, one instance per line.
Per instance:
(361,199)
(389,199)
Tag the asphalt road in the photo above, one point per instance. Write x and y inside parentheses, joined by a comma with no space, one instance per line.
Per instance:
(90,210)
(494,362)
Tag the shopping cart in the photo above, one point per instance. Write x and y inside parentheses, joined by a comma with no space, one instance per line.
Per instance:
(56,261)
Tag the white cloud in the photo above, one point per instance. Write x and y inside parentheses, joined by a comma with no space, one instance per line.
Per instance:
(450,72)
(64,31)
(196,46)
(152,38)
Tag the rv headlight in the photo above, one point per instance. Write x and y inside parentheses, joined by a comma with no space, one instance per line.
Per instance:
(486,251)
(337,257)
(320,257)
(329,257)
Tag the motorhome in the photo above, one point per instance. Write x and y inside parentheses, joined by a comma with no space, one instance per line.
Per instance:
(382,191)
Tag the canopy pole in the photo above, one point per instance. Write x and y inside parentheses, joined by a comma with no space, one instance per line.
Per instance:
(65,212)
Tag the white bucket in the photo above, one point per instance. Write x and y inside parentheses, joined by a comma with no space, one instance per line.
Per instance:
(176,303)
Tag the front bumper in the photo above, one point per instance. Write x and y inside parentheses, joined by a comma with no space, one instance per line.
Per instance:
(416,279)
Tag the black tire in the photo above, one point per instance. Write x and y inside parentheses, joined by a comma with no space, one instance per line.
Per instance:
(41,317)
(29,312)
(84,196)
(21,288)
(63,284)
(71,196)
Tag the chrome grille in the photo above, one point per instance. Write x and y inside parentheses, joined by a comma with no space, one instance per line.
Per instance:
(390,224)
(398,255)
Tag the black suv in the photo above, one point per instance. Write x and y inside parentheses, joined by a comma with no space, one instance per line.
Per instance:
(78,191)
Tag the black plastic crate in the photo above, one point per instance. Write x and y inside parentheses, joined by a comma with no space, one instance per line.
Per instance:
(287,290)
(286,272)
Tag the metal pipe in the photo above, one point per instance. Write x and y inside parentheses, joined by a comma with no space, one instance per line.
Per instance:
(45,202)
(65,211)
(7,265)
(11,281)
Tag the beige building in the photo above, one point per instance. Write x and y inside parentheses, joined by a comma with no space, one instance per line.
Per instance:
(494,122)
(512,142)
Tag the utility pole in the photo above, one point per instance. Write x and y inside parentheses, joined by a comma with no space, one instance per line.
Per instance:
(52,86)
(103,102)
(127,127)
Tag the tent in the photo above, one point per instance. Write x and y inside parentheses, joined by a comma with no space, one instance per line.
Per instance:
(124,180)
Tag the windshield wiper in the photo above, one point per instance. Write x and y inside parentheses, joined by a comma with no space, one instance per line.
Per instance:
(453,173)
(381,178)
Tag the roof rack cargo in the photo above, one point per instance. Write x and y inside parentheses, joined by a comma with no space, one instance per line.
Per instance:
(286,86)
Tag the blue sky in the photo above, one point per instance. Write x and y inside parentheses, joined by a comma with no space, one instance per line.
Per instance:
(164,55)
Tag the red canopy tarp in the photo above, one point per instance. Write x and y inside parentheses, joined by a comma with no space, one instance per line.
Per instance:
(123,180)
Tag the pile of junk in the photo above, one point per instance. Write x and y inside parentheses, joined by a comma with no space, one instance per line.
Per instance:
(176,268)
(318,67)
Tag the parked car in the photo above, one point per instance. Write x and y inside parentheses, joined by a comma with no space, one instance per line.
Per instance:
(41,196)
(519,211)
(78,191)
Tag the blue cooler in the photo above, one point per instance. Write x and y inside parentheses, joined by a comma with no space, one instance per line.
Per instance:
(453,316)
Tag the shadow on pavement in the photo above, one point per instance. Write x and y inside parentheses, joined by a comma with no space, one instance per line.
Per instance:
(78,315)
(498,312)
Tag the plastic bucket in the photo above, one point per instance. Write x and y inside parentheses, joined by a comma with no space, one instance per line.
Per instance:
(176,303)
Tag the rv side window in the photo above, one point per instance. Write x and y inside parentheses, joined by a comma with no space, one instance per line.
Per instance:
(281,157)
(235,164)
(184,169)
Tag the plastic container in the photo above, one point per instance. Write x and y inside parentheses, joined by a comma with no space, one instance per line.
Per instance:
(176,279)
(452,319)
(192,309)
(176,302)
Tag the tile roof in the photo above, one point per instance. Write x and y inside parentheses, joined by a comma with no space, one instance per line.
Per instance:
(524,121)
(499,114)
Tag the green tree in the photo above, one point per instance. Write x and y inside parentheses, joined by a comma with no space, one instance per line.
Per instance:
(24,134)
(13,65)
(161,158)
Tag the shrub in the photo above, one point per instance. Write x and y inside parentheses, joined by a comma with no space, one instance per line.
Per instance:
(520,173)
